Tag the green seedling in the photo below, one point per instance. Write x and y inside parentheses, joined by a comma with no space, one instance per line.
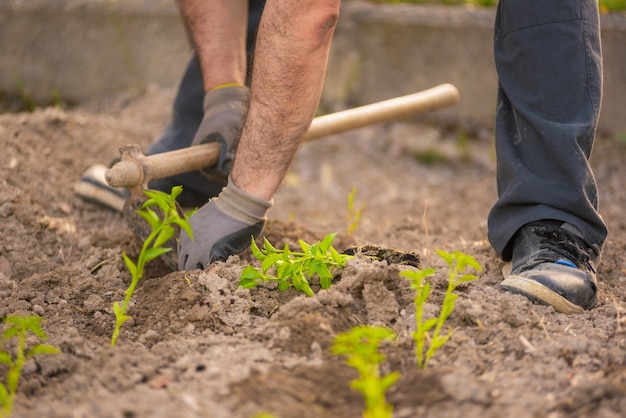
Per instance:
(162,230)
(294,269)
(457,264)
(361,347)
(353,216)
(19,327)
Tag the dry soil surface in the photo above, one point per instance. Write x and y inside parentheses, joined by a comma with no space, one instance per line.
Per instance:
(198,346)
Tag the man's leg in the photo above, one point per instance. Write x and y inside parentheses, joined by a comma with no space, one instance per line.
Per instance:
(548,58)
(187,114)
(288,74)
(287,80)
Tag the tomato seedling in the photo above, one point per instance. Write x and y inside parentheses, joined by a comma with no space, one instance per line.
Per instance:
(19,327)
(457,264)
(162,230)
(294,269)
(361,347)
(353,215)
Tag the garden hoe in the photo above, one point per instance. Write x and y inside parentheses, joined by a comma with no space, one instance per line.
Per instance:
(134,171)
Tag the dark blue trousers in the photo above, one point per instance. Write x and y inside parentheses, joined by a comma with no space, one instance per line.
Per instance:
(549,63)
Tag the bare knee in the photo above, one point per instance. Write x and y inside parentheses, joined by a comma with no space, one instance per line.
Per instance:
(325,16)
(313,20)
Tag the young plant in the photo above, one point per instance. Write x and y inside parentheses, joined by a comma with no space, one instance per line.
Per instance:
(162,230)
(457,264)
(294,269)
(360,345)
(353,216)
(18,327)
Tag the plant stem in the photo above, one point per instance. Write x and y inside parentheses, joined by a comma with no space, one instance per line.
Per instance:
(141,263)
(444,313)
(14,372)
(419,322)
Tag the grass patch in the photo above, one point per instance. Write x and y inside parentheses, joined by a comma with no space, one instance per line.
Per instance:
(605,5)
(25,102)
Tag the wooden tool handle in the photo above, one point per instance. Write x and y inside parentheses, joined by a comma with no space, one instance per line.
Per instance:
(158,166)
(437,97)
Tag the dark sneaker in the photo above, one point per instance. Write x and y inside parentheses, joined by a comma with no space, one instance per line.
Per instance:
(553,265)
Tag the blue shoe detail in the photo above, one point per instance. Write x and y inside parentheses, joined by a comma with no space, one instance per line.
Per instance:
(564,262)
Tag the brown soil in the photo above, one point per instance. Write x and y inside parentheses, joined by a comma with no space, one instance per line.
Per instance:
(197,346)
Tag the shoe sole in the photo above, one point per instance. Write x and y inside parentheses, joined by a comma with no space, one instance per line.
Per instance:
(538,293)
(93,187)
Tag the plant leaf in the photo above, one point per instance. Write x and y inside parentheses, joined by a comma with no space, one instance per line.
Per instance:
(121,319)
(117,309)
(388,380)
(247,283)
(339,259)
(285,270)
(439,342)
(448,258)
(152,253)
(467,278)
(164,236)
(270,261)
(269,248)
(10,333)
(429,324)
(176,191)
(160,199)
(283,285)
(249,277)
(4,395)
(322,271)
(306,288)
(42,349)
(13,378)
(151,217)
(256,252)
(250,272)
(132,268)
(5,358)
(448,305)
(287,255)
(35,328)
(185,226)
(306,248)
(325,282)
(327,242)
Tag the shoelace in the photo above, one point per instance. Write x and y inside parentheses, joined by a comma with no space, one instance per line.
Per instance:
(562,246)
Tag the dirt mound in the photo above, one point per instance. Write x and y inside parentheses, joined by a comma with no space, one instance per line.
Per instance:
(198,345)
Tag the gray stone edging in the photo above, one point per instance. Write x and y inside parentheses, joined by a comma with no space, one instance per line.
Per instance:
(81,49)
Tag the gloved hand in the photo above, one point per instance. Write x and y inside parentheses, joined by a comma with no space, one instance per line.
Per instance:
(224,108)
(222,227)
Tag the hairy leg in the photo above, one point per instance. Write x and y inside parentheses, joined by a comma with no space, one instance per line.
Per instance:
(218,31)
(287,79)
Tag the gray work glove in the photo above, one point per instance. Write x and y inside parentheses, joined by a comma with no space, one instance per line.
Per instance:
(224,109)
(223,227)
